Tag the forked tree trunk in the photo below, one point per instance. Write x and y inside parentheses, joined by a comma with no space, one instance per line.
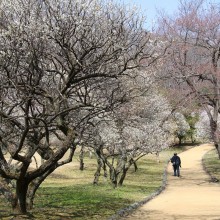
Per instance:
(125,169)
(113,177)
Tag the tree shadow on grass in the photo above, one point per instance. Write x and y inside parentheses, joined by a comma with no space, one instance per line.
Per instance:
(72,203)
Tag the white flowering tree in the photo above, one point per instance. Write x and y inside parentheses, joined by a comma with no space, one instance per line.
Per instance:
(182,126)
(138,126)
(60,61)
(203,132)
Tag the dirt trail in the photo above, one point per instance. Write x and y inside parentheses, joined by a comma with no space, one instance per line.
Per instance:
(191,196)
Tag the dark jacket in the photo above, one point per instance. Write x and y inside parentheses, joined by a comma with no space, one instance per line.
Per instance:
(175,160)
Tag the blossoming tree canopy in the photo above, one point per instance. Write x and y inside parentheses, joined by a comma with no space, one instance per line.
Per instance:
(60,62)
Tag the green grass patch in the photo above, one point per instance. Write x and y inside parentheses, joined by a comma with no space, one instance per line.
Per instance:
(69,193)
(212,164)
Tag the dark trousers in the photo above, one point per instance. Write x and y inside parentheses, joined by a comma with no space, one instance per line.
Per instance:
(176,169)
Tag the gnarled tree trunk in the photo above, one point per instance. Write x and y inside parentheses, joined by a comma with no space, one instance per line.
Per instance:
(98,171)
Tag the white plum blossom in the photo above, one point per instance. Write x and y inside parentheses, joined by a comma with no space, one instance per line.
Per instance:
(61,64)
(141,124)
(203,132)
(181,124)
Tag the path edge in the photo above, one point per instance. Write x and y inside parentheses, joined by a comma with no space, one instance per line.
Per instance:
(129,209)
(213,179)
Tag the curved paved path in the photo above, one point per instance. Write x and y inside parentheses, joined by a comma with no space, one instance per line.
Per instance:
(191,196)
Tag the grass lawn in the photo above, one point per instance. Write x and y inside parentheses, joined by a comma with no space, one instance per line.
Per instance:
(212,164)
(69,193)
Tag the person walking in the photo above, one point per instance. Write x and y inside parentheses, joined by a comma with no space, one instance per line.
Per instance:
(176,161)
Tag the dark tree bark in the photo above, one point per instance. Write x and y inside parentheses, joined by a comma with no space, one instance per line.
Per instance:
(135,166)
(98,171)
(123,175)
(81,159)
(21,193)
